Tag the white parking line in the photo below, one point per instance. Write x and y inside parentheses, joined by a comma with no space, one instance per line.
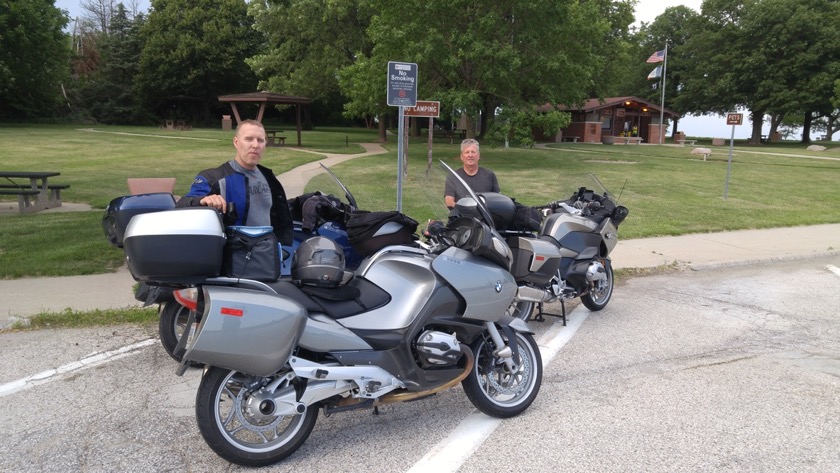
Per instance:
(833,269)
(87,362)
(454,450)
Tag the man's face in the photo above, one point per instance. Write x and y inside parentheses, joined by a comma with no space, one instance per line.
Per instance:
(470,156)
(250,145)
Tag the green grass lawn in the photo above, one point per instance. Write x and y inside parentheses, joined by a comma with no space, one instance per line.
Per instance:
(668,191)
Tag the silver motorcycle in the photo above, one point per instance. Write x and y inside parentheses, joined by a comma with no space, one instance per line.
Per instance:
(411,321)
(561,250)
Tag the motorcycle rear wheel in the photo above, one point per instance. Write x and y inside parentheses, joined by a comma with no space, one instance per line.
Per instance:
(597,298)
(172,325)
(238,434)
(521,309)
(493,389)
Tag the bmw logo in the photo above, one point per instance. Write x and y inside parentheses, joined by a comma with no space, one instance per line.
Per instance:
(498,286)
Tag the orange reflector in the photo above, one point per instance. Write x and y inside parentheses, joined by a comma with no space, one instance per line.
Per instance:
(539,258)
(232,311)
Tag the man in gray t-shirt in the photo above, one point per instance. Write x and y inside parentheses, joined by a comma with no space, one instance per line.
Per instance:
(260,196)
(479,179)
(246,192)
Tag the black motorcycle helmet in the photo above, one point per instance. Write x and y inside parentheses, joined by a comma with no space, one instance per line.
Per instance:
(318,261)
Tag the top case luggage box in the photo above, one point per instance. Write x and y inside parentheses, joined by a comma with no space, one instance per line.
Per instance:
(122,209)
(182,246)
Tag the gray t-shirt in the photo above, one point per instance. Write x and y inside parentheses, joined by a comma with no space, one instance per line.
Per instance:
(259,202)
(483,181)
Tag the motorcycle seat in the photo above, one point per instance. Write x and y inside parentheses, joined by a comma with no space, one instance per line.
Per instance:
(357,296)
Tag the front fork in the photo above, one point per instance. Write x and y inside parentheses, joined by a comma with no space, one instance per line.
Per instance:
(506,351)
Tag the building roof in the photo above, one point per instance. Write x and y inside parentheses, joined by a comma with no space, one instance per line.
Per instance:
(594,105)
(264,97)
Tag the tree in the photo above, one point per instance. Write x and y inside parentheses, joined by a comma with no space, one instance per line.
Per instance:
(772,57)
(307,43)
(671,28)
(108,94)
(196,49)
(477,56)
(34,54)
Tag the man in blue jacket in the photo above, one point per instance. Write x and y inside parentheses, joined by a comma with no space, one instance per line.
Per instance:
(257,195)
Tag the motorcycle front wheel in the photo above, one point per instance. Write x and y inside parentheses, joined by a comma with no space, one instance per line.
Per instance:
(493,388)
(172,326)
(597,298)
(228,409)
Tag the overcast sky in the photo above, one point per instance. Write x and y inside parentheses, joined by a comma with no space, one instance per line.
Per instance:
(646,11)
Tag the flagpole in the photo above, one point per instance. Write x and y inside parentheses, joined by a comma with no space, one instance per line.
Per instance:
(662,99)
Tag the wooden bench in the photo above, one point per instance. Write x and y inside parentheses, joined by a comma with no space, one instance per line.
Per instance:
(573,139)
(683,142)
(54,189)
(24,198)
(608,140)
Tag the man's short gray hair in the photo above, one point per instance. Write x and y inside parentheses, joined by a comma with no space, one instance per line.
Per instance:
(469,142)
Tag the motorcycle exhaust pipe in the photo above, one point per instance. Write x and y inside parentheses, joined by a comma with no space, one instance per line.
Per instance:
(531,294)
(410,396)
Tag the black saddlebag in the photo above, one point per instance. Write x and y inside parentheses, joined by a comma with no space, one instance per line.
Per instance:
(369,232)
(251,253)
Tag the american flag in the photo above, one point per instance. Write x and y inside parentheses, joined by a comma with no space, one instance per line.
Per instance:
(658,56)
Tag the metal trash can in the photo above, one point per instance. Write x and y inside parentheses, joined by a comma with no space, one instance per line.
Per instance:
(226,123)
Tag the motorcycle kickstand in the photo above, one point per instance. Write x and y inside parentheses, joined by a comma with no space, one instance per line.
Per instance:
(539,315)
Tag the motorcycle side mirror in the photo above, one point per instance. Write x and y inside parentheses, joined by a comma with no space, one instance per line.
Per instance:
(619,214)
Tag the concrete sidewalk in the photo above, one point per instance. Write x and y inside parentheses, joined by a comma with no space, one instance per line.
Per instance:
(24,297)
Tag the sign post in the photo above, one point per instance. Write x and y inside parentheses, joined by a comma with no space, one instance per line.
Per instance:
(733,119)
(426,109)
(402,92)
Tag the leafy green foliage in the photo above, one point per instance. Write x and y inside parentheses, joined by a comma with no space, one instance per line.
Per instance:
(476,56)
(108,94)
(518,127)
(196,48)
(768,56)
(34,53)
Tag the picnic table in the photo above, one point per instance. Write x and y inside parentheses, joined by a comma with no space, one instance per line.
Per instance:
(34,195)
(272,139)
(683,142)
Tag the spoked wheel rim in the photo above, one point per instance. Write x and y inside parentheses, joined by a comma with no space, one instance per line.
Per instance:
(240,421)
(499,385)
(598,297)
(179,324)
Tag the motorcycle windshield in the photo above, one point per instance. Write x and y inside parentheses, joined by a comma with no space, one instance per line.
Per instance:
(350,199)
(570,185)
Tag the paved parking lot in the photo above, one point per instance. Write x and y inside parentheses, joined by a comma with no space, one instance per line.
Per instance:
(729,369)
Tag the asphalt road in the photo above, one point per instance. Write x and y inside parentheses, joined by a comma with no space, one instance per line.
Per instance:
(731,369)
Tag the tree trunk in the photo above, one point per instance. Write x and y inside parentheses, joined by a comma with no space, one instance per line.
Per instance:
(806,128)
(757,117)
(775,121)
(489,113)
(676,128)
(383,136)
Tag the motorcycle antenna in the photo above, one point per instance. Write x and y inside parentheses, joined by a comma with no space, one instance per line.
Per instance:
(617,199)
